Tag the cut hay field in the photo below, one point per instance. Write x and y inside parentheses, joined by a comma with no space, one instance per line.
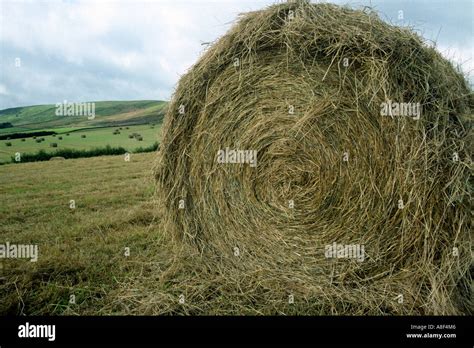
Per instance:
(81,250)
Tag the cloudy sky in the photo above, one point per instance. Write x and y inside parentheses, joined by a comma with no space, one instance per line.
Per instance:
(84,50)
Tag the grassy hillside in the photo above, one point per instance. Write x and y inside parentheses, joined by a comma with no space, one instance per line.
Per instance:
(107,114)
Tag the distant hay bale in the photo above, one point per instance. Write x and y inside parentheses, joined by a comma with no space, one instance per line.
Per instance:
(358,202)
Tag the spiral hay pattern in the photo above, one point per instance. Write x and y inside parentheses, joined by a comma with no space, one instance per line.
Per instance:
(304,85)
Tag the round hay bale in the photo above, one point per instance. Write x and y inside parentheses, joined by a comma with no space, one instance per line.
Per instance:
(317,151)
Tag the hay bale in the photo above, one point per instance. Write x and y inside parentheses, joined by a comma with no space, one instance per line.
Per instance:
(305,85)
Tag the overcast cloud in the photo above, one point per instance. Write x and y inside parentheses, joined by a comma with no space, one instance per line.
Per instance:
(130,50)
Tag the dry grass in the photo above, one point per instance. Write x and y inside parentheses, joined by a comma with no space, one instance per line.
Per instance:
(81,252)
(300,63)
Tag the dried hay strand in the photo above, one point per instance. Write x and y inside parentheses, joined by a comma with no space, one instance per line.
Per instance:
(304,86)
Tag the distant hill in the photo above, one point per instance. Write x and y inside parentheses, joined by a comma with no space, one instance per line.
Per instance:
(107,114)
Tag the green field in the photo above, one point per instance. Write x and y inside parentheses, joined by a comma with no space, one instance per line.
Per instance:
(141,117)
(96,137)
